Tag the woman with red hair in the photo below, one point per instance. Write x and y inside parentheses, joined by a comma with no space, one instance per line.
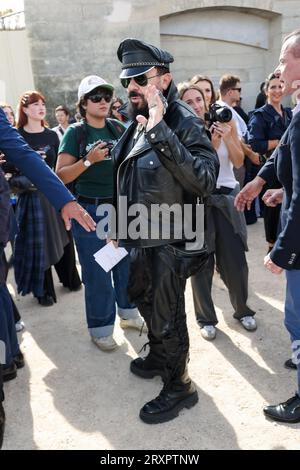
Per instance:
(42,240)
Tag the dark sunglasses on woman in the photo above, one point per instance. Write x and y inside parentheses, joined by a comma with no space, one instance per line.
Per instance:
(99,96)
(141,80)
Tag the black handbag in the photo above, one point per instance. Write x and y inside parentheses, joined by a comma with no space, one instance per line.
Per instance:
(21,184)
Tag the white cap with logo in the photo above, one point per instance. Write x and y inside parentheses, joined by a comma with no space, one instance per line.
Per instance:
(91,82)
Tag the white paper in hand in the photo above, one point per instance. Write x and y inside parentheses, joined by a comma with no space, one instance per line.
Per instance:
(109,256)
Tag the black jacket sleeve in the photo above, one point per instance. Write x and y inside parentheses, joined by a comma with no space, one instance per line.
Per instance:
(187,154)
(287,247)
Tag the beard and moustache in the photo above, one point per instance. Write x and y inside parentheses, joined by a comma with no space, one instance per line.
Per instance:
(134,110)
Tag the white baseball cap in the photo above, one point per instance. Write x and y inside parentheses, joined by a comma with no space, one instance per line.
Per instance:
(91,82)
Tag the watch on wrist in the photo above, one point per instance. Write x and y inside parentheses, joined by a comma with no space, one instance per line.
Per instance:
(86,162)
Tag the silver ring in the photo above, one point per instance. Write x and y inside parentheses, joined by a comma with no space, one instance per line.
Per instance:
(85,214)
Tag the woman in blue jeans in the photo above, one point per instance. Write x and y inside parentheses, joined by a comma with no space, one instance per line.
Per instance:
(100,295)
(84,161)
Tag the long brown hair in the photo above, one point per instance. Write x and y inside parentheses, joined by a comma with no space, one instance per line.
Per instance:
(27,98)
(204,78)
(186,87)
(271,77)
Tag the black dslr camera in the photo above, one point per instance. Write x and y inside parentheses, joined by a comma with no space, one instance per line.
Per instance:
(218,113)
(109,145)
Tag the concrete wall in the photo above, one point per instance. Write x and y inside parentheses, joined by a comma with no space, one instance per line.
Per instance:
(15,66)
(214,42)
(74,38)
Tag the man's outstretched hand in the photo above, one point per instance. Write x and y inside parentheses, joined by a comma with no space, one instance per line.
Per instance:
(249,192)
(73,210)
(272,266)
(273,197)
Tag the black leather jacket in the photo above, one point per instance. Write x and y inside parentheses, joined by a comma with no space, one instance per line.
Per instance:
(173,163)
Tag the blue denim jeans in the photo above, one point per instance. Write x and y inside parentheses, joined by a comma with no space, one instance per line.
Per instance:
(292,314)
(101,295)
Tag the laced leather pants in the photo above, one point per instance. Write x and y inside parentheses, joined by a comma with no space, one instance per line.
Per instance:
(159,295)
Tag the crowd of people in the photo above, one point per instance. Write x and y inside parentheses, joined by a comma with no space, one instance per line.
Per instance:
(165,145)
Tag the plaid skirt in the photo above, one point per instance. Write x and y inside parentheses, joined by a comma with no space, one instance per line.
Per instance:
(29,254)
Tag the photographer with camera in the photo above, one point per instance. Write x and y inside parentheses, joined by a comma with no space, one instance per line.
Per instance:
(84,160)
(226,233)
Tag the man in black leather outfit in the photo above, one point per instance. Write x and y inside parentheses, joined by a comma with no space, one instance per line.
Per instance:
(164,157)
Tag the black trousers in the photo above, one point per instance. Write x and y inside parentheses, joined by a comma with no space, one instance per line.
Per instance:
(1,385)
(232,265)
(66,267)
(158,292)
(271,222)
(66,270)
(4,264)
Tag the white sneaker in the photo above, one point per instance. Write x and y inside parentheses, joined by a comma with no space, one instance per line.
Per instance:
(208,332)
(106,343)
(136,323)
(20,326)
(249,323)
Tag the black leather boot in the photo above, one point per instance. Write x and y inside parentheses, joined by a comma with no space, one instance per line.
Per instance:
(19,360)
(2,424)
(289,364)
(10,373)
(178,394)
(151,365)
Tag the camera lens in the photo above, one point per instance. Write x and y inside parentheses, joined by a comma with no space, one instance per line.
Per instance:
(224,114)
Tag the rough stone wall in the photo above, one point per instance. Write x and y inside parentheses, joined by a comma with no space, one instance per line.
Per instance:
(15,66)
(73,38)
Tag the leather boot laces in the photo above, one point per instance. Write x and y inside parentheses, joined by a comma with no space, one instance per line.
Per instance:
(141,330)
(144,347)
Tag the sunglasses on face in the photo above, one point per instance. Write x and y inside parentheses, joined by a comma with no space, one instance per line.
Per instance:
(237,89)
(140,80)
(115,107)
(100,96)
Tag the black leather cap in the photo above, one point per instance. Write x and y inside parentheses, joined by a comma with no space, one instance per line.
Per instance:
(138,57)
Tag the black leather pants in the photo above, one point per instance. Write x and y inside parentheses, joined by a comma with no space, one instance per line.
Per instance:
(158,292)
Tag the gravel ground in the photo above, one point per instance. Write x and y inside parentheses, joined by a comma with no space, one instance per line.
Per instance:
(71,395)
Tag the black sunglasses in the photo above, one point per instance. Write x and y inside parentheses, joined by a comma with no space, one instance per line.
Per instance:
(99,96)
(237,89)
(141,80)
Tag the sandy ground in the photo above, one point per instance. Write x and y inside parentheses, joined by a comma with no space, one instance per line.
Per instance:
(71,395)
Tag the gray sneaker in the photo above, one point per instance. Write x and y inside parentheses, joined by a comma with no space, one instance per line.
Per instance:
(249,323)
(136,323)
(208,332)
(20,326)
(106,343)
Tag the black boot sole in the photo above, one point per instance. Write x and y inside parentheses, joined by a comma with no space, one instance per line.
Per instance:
(10,376)
(282,420)
(145,374)
(165,416)
(290,365)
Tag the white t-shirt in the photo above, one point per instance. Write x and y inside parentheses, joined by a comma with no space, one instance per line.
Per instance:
(226,176)
(59,131)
